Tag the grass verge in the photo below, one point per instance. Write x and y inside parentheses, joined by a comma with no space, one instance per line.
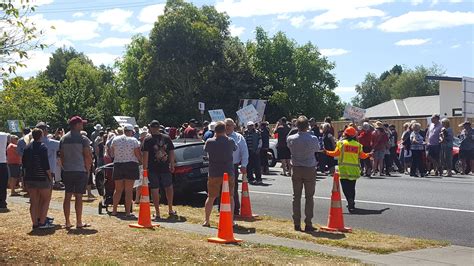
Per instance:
(111,242)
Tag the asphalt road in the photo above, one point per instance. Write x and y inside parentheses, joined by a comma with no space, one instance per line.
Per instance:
(432,208)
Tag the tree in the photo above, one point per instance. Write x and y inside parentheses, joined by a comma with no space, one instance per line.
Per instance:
(369,92)
(296,79)
(19,36)
(23,100)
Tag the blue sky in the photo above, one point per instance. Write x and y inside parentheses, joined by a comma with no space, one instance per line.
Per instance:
(360,36)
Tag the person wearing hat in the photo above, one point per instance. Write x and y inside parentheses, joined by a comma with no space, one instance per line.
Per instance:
(95,134)
(210,132)
(466,146)
(159,160)
(349,151)
(76,161)
(191,132)
(254,143)
(127,156)
(379,145)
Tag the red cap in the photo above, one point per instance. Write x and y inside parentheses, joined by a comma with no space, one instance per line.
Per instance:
(75,120)
(350,132)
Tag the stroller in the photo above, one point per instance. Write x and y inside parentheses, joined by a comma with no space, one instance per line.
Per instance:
(106,187)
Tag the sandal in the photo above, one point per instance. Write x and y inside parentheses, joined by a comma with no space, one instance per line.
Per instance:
(83,226)
(173,213)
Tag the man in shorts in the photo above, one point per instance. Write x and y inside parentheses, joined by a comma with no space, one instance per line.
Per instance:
(220,150)
(159,160)
(76,161)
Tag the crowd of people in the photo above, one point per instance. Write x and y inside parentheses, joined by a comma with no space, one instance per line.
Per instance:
(40,161)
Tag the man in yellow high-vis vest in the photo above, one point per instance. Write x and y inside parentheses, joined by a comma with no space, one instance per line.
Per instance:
(349,150)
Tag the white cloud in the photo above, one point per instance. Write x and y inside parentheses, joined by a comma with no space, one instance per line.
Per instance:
(364,25)
(333,51)
(331,18)
(297,21)
(434,2)
(144,28)
(38,61)
(412,42)
(150,14)
(427,20)
(65,31)
(283,17)
(117,18)
(102,58)
(112,42)
(455,46)
(236,31)
(78,15)
(455,1)
(416,2)
(343,90)
(249,8)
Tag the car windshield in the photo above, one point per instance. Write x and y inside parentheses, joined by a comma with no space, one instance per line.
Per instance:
(189,153)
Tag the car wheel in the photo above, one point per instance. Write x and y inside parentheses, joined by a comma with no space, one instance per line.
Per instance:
(459,166)
(272,160)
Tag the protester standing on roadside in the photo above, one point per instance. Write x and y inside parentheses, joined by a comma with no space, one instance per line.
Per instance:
(3,170)
(303,146)
(349,152)
(365,139)
(220,151)
(432,140)
(405,152)
(446,140)
(379,146)
(466,146)
(38,180)
(417,147)
(254,143)
(127,157)
(240,158)
(159,160)
(14,165)
(329,143)
(265,134)
(210,132)
(76,161)
(283,152)
(191,132)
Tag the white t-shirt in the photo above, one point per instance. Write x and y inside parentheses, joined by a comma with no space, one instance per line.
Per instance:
(124,147)
(3,147)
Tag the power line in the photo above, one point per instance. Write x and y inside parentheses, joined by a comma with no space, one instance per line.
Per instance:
(96,8)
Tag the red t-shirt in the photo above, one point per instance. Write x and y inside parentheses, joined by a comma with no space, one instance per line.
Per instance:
(379,140)
(365,138)
(12,155)
(190,133)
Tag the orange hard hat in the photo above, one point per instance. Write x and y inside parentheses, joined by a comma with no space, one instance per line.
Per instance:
(350,132)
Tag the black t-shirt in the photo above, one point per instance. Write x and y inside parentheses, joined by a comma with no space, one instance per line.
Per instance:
(158,148)
(282,132)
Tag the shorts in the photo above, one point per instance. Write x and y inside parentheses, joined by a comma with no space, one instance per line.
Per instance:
(379,155)
(157,180)
(38,184)
(127,171)
(283,153)
(466,154)
(434,151)
(75,182)
(214,186)
(14,170)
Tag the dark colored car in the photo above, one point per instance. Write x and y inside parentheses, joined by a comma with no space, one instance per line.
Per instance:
(190,174)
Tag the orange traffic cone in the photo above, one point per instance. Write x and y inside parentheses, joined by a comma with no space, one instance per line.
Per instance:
(336,219)
(225,232)
(246,206)
(144,217)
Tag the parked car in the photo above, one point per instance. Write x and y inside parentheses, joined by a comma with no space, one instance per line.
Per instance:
(273,154)
(190,173)
(457,164)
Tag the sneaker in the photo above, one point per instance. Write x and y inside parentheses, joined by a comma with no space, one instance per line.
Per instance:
(46,225)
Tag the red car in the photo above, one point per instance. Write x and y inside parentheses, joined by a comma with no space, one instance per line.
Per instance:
(457,164)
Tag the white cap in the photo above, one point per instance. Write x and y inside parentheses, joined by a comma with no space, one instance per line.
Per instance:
(212,126)
(143,130)
(98,127)
(128,127)
(250,123)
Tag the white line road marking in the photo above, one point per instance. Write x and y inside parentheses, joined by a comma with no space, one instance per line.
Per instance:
(375,202)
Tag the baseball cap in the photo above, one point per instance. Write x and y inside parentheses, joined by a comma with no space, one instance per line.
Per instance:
(194,121)
(154,123)
(250,123)
(76,120)
(98,127)
(127,127)
(42,125)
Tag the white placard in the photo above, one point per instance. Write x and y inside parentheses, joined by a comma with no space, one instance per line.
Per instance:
(259,105)
(217,115)
(15,126)
(246,114)
(354,113)
(201,106)
(121,120)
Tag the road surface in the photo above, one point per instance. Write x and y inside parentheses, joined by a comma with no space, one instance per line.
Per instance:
(432,208)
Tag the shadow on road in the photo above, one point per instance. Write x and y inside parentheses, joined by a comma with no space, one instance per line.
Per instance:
(359,211)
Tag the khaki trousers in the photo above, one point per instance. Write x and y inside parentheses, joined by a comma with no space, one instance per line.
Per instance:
(303,177)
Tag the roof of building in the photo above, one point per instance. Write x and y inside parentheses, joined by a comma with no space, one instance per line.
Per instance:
(445,78)
(409,107)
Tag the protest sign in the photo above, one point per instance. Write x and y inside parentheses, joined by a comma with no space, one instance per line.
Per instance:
(121,120)
(354,113)
(259,105)
(217,115)
(246,114)
(15,126)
